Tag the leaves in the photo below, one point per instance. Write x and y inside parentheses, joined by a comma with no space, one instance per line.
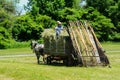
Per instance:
(31,27)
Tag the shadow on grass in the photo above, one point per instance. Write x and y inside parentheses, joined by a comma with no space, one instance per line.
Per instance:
(57,63)
(54,64)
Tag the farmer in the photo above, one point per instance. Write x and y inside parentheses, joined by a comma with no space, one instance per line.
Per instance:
(58,28)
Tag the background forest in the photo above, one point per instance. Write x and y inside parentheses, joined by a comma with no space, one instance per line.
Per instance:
(16,29)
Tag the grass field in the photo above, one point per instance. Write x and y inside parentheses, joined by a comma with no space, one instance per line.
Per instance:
(15,51)
(26,68)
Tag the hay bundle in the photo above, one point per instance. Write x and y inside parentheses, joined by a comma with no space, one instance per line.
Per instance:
(54,46)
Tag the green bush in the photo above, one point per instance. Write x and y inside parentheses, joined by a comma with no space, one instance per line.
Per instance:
(68,14)
(101,24)
(13,44)
(5,38)
(25,29)
(5,43)
(18,44)
(116,36)
(45,21)
(28,27)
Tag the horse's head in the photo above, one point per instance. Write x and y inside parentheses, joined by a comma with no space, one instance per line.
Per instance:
(33,44)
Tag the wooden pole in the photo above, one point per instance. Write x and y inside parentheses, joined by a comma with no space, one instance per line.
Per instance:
(81,38)
(75,44)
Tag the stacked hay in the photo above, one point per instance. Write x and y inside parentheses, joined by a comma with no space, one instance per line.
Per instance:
(56,46)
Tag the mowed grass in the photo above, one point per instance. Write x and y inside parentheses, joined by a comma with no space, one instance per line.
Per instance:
(111,46)
(15,51)
(26,68)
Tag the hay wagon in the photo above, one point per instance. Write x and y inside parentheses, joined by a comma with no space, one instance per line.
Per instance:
(57,49)
(77,44)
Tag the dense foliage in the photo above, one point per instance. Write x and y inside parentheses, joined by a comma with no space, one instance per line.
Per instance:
(6,22)
(27,27)
(61,10)
(103,15)
(110,9)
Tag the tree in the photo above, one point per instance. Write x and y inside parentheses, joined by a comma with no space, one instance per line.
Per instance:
(98,12)
(8,5)
(101,24)
(114,14)
(69,3)
(46,7)
(101,5)
(7,9)
(27,27)
(73,3)
(70,14)
(110,9)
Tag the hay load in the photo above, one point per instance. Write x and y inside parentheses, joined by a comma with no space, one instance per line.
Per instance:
(60,46)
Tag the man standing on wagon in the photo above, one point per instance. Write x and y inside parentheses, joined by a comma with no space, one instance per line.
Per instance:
(58,28)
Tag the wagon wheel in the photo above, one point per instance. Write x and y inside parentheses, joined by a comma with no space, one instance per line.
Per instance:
(48,60)
(68,61)
(65,61)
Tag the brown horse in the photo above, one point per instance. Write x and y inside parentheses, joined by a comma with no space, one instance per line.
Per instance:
(38,49)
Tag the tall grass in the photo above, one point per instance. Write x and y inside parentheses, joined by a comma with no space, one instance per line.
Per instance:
(13,44)
(18,44)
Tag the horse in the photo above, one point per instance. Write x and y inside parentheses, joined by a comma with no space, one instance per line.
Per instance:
(38,49)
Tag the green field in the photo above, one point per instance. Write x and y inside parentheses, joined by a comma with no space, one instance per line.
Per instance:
(26,68)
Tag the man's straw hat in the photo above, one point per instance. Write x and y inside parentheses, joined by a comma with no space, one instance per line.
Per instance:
(59,22)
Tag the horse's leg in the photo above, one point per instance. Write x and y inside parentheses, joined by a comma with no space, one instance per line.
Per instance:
(38,56)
